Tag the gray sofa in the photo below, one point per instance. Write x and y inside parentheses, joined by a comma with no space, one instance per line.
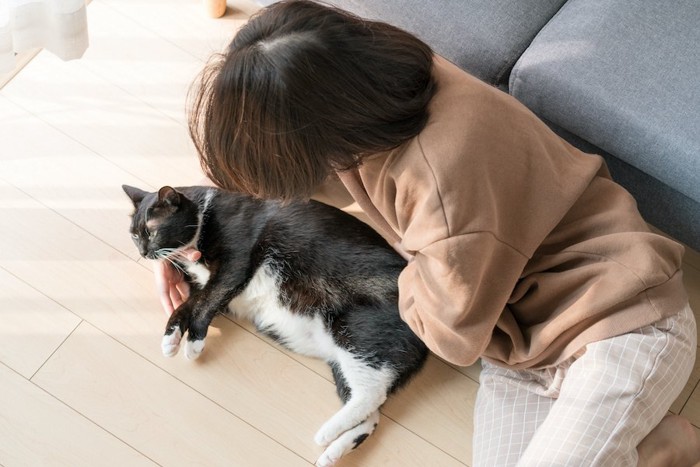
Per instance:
(613,77)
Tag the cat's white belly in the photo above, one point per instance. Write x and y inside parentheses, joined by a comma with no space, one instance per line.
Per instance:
(259,303)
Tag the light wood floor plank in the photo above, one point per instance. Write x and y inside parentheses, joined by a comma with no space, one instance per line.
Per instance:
(106,120)
(21,59)
(33,326)
(295,397)
(438,405)
(182,22)
(150,409)
(66,176)
(472,372)
(36,429)
(139,61)
(79,271)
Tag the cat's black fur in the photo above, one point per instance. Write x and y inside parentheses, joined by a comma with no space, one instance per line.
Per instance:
(327,266)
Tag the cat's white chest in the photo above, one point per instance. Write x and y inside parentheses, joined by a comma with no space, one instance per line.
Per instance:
(198,272)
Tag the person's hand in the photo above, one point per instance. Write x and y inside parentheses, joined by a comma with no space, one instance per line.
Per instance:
(172,287)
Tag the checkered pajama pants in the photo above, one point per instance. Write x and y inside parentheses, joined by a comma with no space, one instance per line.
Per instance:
(589,411)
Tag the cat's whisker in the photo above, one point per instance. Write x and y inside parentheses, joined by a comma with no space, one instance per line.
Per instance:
(167,251)
(175,264)
(163,253)
(166,254)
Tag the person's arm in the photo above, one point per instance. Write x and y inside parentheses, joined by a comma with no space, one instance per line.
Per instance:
(455,290)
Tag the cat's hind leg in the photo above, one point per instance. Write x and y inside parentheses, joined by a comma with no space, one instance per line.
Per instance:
(368,390)
(348,441)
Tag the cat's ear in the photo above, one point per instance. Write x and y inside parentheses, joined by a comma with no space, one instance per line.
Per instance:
(168,195)
(136,194)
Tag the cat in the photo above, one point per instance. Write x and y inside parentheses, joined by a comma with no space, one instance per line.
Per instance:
(312,277)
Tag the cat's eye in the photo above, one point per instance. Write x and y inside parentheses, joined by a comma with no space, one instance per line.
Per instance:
(135,236)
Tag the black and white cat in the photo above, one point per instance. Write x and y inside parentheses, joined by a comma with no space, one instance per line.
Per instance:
(312,277)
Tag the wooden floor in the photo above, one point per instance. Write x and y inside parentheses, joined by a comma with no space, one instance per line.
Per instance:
(82,378)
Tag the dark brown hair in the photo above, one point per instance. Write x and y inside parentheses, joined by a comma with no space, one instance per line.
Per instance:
(304,89)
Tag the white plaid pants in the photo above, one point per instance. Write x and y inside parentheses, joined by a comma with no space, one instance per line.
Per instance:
(588,411)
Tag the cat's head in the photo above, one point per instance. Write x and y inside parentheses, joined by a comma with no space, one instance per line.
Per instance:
(162,222)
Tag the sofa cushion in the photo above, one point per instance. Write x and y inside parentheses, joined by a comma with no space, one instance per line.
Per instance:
(484,37)
(662,206)
(623,76)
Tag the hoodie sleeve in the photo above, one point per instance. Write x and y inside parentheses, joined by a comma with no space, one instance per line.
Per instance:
(454,291)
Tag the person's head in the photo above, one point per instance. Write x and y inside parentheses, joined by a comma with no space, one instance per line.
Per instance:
(304,89)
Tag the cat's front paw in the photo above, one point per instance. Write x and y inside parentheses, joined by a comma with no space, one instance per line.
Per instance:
(327,434)
(327,460)
(348,441)
(171,343)
(193,349)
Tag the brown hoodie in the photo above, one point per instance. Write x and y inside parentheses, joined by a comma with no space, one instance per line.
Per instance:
(523,248)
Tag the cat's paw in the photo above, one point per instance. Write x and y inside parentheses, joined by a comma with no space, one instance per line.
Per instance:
(348,441)
(193,349)
(327,459)
(328,433)
(171,343)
